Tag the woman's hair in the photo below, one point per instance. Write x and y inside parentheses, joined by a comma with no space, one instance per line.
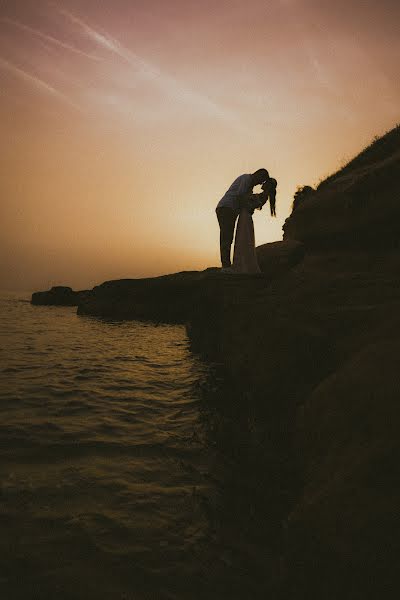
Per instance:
(270,185)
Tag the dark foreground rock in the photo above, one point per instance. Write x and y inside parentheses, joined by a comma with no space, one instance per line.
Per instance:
(174,298)
(345,524)
(321,345)
(59,296)
(277,258)
(169,298)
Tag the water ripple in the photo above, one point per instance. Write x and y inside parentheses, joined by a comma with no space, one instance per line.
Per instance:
(97,421)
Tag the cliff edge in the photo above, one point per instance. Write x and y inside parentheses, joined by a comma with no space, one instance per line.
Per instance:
(357,207)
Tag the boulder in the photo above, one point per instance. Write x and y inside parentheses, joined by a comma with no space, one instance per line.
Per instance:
(276,258)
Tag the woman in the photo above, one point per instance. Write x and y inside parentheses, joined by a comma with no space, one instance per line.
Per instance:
(244,256)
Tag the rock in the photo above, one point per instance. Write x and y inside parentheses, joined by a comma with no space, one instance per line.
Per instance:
(168,298)
(342,537)
(278,360)
(173,298)
(277,258)
(321,344)
(358,207)
(59,296)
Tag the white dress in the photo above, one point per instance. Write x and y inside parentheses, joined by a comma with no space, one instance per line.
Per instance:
(244,255)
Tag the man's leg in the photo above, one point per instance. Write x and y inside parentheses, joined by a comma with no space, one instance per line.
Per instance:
(226,219)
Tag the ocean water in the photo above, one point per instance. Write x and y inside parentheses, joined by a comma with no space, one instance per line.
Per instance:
(115,482)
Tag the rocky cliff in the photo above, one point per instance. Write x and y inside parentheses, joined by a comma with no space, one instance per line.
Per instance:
(356,207)
(315,341)
(321,344)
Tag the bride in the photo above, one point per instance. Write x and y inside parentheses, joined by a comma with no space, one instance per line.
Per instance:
(244,255)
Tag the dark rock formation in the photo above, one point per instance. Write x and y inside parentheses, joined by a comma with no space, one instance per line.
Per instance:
(59,296)
(276,258)
(357,207)
(174,298)
(345,522)
(322,345)
(169,298)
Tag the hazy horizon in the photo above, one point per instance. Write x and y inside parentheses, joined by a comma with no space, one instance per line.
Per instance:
(123,125)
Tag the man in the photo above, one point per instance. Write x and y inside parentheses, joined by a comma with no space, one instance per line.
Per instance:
(228,209)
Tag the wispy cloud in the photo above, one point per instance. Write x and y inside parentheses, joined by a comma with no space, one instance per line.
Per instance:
(170,86)
(296,15)
(49,38)
(37,82)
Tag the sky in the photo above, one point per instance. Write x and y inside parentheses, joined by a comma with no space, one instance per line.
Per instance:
(123,123)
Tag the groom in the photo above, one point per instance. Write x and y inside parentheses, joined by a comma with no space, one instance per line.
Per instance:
(228,209)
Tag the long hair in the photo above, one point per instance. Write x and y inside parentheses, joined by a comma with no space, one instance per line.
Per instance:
(271,190)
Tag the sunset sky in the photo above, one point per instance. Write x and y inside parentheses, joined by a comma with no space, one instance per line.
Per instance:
(123,122)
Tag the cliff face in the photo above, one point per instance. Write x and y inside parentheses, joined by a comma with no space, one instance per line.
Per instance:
(345,523)
(357,206)
(322,345)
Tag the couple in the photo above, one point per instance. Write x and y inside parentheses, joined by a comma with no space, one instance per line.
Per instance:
(240,201)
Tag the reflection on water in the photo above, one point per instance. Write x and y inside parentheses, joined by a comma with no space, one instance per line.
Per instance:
(129,470)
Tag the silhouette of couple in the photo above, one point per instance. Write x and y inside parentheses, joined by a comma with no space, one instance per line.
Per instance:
(239,201)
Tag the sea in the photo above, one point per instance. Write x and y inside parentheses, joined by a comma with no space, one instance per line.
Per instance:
(124,468)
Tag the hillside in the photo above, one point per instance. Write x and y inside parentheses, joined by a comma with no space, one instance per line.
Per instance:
(358,205)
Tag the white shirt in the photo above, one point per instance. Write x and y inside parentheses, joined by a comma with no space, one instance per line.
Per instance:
(231,199)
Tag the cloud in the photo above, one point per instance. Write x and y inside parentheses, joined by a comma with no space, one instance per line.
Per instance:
(170,86)
(49,38)
(38,83)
